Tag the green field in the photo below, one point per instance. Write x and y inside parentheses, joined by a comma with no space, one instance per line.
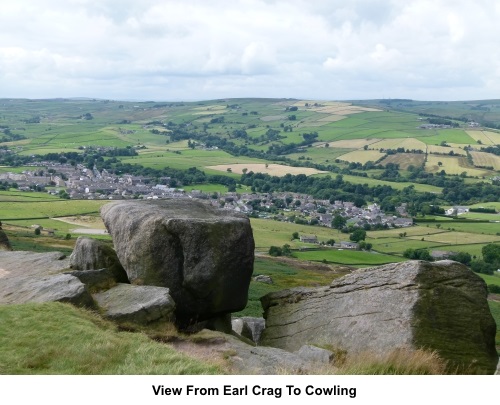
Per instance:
(23,196)
(348,257)
(47,209)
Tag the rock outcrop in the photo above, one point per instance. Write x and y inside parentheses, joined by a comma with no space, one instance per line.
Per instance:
(202,254)
(92,254)
(316,354)
(127,303)
(437,306)
(35,277)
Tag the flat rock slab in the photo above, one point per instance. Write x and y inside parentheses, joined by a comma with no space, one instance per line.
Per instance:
(136,304)
(439,306)
(59,287)
(202,254)
(22,263)
(36,277)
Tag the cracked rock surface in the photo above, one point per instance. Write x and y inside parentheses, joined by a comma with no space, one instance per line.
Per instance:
(439,306)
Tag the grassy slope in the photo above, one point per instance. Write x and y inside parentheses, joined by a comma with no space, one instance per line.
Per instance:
(54,338)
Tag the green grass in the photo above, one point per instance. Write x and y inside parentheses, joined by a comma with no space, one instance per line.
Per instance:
(493,279)
(284,275)
(56,208)
(13,195)
(495,311)
(55,338)
(396,185)
(348,257)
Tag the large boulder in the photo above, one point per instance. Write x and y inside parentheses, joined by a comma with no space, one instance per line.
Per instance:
(202,254)
(437,306)
(93,254)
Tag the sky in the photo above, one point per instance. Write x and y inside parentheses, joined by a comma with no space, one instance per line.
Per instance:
(209,49)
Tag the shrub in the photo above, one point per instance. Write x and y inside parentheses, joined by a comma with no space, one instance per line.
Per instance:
(494,289)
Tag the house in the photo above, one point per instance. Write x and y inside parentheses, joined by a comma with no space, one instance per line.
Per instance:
(456,210)
(309,238)
(348,245)
(403,222)
(326,219)
(441,254)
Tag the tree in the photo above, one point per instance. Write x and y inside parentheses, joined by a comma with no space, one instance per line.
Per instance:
(285,250)
(418,254)
(365,245)
(462,257)
(480,266)
(338,221)
(330,242)
(37,231)
(295,235)
(275,251)
(491,254)
(358,235)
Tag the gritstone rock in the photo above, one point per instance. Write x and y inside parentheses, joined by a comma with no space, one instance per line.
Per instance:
(136,304)
(35,277)
(92,254)
(249,327)
(202,254)
(263,279)
(315,354)
(437,306)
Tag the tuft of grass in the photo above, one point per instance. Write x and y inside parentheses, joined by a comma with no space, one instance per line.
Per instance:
(56,338)
(397,362)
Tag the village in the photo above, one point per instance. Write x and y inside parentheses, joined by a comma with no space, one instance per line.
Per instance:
(79,182)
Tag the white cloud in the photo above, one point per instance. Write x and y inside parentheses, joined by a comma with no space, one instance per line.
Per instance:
(196,49)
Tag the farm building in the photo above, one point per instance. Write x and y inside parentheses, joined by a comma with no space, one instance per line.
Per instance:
(457,210)
(348,245)
(309,238)
(441,254)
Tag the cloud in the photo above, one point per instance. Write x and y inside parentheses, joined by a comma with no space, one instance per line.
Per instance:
(264,48)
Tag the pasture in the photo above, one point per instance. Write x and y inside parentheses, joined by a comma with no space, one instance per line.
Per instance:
(452,165)
(484,159)
(485,137)
(349,144)
(404,160)
(271,169)
(347,257)
(445,150)
(362,156)
(395,143)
